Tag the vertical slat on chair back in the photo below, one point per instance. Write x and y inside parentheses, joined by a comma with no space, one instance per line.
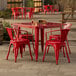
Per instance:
(32,10)
(16,10)
(9,30)
(12,9)
(64,33)
(15,30)
(25,10)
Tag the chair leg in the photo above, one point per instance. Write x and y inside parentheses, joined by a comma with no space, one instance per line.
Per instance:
(56,49)
(48,12)
(17,51)
(8,52)
(56,55)
(68,46)
(33,44)
(25,16)
(13,50)
(22,15)
(21,51)
(63,52)
(24,47)
(29,16)
(44,52)
(47,49)
(30,51)
(15,54)
(67,54)
(44,12)
(14,16)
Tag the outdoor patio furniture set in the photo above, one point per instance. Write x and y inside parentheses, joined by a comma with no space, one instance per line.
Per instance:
(57,41)
(28,11)
(50,8)
(23,11)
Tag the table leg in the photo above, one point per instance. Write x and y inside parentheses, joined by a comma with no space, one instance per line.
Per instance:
(42,39)
(36,42)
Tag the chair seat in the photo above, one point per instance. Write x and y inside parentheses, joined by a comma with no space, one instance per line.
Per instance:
(24,36)
(54,37)
(54,42)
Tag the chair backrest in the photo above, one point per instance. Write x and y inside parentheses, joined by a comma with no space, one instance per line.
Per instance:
(25,10)
(15,30)
(32,10)
(12,9)
(51,7)
(10,32)
(16,9)
(45,7)
(64,33)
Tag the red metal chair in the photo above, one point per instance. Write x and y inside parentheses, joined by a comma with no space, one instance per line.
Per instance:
(22,34)
(51,8)
(56,8)
(31,12)
(17,12)
(21,10)
(57,44)
(66,26)
(17,44)
(46,9)
(14,13)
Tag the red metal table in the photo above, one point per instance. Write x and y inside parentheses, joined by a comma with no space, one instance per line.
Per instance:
(41,27)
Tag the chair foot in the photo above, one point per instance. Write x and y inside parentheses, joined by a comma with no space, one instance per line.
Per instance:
(32,58)
(21,56)
(64,56)
(43,60)
(68,61)
(69,52)
(56,62)
(6,58)
(36,60)
(15,61)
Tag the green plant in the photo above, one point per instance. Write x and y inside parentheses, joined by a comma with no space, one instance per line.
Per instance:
(46,2)
(5,34)
(5,13)
(29,3)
